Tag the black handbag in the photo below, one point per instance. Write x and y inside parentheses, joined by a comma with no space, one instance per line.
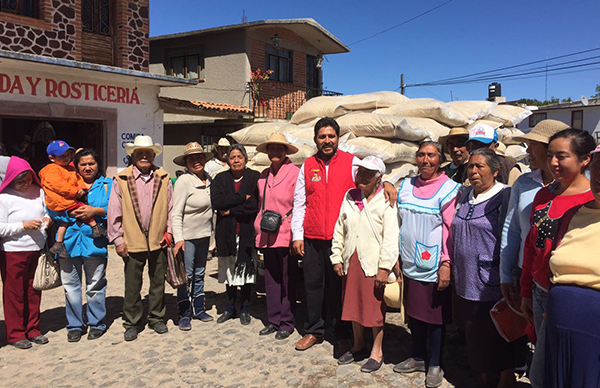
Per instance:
(270,220)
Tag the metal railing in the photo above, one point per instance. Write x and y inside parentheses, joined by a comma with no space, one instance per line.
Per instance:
(278,100)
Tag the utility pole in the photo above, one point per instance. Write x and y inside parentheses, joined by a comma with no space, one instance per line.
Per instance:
(402,86)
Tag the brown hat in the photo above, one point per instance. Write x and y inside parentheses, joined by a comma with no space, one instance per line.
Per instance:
(543,131)
(277,138)
(456,131)
(190,149)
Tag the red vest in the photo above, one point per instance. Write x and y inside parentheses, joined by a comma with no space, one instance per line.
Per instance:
(324,196)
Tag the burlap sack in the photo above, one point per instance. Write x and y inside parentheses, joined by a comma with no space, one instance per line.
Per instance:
(493,124)
(375,100)
(473,110)
(379,125)
(395,172)
(432,127)
(319,107)
(508,115)
(256,133)
(506,134)
(427,108)
(389,151)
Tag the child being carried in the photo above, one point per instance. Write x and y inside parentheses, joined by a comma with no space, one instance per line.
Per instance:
(65,190)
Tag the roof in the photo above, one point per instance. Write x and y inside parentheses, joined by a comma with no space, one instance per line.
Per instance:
(14,58)
(592,102)
(307,28)
(175,105)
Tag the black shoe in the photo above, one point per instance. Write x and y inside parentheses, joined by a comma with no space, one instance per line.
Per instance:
(159,327)
(371,365)
(40,339)
(95,334)
(350,357)
(227,315)
(98,231)
(245,318)
(283,334)
(131,334)
(22,344)
(60,250)
(73,335)
(269,329)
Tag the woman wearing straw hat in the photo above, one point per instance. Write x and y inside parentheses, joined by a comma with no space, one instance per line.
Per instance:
(276,193)
(364,251)
(219,162)
(192,227)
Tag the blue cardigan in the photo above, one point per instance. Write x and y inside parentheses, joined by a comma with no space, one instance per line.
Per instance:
(78,238)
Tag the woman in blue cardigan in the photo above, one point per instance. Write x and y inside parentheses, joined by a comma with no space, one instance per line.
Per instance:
(88,254)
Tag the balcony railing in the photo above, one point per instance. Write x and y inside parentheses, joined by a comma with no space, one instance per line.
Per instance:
(278,100)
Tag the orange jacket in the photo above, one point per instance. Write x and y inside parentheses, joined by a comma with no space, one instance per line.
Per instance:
(61,184)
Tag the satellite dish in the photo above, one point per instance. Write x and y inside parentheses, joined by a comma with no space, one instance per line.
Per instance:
(584,100)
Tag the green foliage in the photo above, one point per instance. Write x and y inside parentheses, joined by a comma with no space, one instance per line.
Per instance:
(597,95)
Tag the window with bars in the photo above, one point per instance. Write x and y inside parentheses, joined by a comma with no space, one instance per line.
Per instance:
(95,16)
(21,7)
(280,61)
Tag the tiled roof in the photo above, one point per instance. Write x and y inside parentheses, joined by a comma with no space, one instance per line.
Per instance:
(205,105)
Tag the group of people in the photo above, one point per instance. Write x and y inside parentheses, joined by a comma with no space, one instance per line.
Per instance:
(457,236)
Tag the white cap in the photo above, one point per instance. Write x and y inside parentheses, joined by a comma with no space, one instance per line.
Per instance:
(370,162)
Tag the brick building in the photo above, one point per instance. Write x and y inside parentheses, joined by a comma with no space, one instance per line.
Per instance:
(222,60)
(77,70)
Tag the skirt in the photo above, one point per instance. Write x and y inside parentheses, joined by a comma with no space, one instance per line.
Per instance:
(488,352)
(361,302)
(572,337)
(425,303)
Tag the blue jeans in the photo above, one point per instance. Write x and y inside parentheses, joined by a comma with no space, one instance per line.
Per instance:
(194,257)
(71,271)
(537,363)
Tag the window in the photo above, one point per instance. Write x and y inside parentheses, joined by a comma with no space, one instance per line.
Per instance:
(21,7)
(185,62)
(280,61)
(577,119)
(186,67)
(536,118)
(95,16)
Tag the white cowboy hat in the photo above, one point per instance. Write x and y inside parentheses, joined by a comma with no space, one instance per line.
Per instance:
(143,141)
(190,149)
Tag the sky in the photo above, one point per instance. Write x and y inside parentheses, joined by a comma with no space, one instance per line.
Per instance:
(461,37)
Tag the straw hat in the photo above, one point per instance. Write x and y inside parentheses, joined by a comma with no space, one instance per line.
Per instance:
(543,131)
(143,141)
(223,142)
(391,295)
(277,138)
(190,149)
(456,131)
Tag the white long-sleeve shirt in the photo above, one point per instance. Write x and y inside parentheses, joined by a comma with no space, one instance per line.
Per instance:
(15,208)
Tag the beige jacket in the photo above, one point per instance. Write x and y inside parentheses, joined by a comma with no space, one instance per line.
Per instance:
(353,231)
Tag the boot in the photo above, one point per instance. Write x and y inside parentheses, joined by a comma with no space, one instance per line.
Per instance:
(185,311)
(199,311)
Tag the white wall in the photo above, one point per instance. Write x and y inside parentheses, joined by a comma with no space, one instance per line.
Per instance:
(591,117)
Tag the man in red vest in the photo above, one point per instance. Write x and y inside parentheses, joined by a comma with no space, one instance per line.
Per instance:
(322,184)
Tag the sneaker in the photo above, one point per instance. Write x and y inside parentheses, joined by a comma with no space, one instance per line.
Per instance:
(131,334)
(410,365)
(39,339)
(22,344)
(73,335)
(435,377)
(159,327)
(184,324)
(98,231)
(60,250)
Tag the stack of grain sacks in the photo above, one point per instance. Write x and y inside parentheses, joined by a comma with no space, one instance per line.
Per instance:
(385,124)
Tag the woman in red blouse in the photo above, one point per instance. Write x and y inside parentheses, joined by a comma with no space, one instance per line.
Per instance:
(568,158)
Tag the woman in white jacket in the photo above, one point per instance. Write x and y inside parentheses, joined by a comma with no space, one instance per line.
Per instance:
(364,251)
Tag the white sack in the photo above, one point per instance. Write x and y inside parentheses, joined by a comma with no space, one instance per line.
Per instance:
(506,135)
(473,110)
(380,125)
(427,108)
(509,115)
(389,151)
(395,172)
(256,133)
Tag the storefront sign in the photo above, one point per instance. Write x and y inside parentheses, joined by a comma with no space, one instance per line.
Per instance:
(48,87)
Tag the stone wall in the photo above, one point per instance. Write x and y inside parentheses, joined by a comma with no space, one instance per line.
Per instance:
(132,32)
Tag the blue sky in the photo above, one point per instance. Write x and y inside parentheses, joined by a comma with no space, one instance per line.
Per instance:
(462,37)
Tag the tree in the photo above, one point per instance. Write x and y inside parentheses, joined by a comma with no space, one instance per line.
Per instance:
(597,95)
